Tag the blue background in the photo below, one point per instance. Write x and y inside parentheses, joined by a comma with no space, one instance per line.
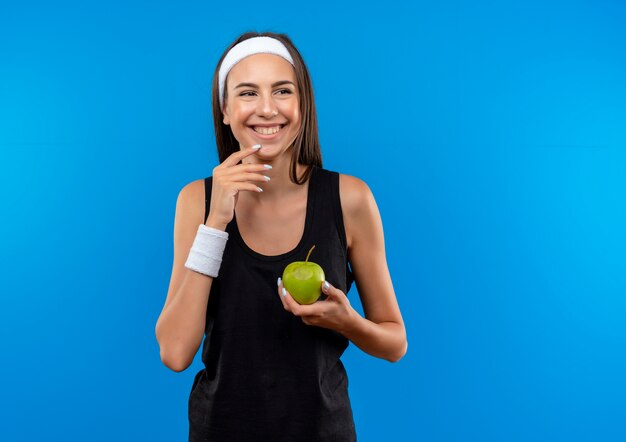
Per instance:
(492,135)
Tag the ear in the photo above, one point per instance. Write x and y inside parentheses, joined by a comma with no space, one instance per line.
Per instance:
(226,116)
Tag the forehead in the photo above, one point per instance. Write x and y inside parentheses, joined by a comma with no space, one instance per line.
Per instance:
(262,68)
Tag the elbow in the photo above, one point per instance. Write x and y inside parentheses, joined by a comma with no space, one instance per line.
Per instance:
(178,368)
(172,360)
(174,363)
(400,355)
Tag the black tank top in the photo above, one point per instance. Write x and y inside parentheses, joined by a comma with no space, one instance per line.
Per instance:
(267,375)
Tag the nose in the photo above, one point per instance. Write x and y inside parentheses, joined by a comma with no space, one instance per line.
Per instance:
(267,107)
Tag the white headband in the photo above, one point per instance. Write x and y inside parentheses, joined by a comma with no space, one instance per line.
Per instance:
(251,46)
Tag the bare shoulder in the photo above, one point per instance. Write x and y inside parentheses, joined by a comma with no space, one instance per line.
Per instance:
(353,192)
(356,197)
(191,201)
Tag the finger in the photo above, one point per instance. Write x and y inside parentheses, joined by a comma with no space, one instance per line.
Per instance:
(249,167)
(235,157)
(327,288)
(284,295)
(240,185)
(294,306)
(303,310)
(331,291)
(291,304)
(249,176)
(280,289)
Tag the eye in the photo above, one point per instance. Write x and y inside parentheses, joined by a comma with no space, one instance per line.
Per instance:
(246,93)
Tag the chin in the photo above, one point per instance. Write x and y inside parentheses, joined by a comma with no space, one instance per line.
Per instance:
(271,150)
(272,147)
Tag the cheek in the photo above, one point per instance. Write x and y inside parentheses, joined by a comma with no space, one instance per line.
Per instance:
(298,121)
(294,114)
(242,111)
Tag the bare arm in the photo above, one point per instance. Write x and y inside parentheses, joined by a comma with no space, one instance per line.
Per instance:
(180,327)
(381,339)
(381,333)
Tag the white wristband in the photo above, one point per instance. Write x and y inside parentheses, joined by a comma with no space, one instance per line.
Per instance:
(205,255)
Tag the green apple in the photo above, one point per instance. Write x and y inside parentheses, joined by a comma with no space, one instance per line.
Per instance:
(303,280)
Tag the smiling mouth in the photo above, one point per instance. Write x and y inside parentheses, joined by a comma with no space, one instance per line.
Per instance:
(267,130)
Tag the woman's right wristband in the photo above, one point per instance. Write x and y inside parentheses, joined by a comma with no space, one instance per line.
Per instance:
(205,255)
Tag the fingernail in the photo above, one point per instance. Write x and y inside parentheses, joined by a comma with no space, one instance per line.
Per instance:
(278,281)
(284,292)
(256,146)
(326,285)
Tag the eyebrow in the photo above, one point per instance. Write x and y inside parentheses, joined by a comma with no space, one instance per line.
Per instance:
(278,83)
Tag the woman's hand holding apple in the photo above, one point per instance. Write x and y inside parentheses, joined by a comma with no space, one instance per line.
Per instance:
(228,179)
(335,312)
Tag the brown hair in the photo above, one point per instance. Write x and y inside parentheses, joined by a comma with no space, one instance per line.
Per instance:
(306,147)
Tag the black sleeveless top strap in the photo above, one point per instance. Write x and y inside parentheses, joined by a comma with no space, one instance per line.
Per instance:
(267,375)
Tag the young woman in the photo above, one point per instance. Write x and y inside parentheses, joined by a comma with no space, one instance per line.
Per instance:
(272,368)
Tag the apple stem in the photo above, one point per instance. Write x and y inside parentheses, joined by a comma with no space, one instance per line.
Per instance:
(309,254)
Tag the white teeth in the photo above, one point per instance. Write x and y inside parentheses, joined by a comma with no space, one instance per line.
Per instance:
(266,130)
